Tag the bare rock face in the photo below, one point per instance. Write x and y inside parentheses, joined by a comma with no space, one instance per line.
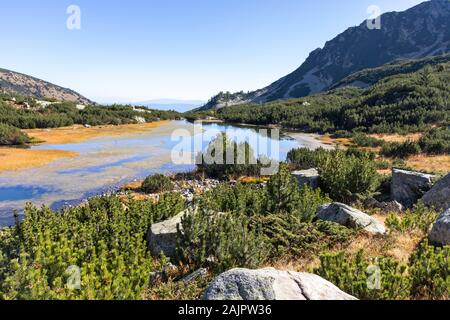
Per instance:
(408,187)
(307,177)
(440,234)
(439,195)
(350,217)
(271,284)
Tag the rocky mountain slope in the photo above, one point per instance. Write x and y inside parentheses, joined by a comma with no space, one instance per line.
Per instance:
(368,77)
(422,31)
(19,83)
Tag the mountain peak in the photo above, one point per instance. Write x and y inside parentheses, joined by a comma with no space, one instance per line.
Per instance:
(419,32)
(23,84)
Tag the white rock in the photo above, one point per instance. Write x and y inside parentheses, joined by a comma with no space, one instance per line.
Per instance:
(271,284)
(350,217)
(307,177)
(162,236)
(440,234)
(439,195)
(407,186)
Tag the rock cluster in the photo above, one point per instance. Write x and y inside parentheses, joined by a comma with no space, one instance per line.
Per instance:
(189,188)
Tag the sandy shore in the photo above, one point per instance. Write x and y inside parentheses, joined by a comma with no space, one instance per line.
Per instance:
(311,141)
(13,159)
(77,133)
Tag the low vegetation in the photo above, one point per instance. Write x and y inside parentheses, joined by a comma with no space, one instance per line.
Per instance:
(12,136)
(425,276)
(433,142)
(103,243)
(157,183)
(225,159)
(345,175)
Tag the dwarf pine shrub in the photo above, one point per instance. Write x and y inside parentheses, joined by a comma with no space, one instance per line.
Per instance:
(96,251)
(419,218)
(248,199)
(383,278)
(288,236)
(225,158)
(220,241)
(10,135)
(347,178)
(157,183)
(430,272)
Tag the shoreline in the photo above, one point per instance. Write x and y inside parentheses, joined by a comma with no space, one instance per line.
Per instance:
(16,159)
(79,133)
(311,140)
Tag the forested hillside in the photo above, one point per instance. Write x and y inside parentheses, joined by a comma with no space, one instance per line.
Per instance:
(24,112)
(405,102)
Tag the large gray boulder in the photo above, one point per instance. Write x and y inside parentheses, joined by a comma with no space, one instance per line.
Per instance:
(162,236)
(271,284)
(350,217)
(307,177)
(407,186)
(440,234)
(439,195)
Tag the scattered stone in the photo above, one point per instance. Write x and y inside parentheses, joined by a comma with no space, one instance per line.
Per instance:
(189,188)
(408,187)
(140,120)
(350,217)
(307,177)
(271,284)
(392,206)
(163,276)
(200,273)
(386,207)
(439,195)
(440,234)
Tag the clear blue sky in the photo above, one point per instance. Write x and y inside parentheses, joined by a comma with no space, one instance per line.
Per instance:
(186,49)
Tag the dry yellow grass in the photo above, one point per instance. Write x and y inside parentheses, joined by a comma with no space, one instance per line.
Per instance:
(77,133)
(396,245)
(253,180)
(12,159)
(440,164)
(132,186)
(397,137)
(327,139)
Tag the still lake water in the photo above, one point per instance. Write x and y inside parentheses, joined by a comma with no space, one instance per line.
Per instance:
(103,164)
